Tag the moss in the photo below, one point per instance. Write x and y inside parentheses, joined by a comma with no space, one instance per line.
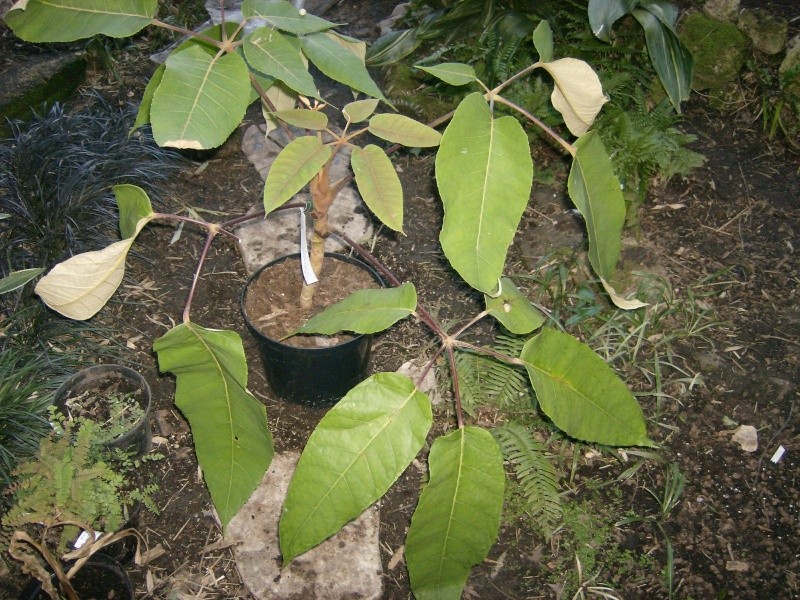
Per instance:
(719,50)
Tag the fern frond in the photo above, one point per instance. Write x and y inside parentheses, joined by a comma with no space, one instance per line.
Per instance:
(535,473)
(485,380)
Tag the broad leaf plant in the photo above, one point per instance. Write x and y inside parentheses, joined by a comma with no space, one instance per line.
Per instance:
(484,173)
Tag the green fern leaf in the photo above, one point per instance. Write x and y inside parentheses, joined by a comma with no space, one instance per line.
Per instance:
(535,473)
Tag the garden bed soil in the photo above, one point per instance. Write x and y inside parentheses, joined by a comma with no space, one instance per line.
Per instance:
(730,231)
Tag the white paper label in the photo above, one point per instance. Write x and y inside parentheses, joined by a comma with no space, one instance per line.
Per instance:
(305,261)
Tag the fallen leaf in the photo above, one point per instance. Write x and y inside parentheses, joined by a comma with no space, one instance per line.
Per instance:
(737,566)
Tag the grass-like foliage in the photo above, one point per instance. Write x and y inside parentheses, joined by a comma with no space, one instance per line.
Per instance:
(56,178)
(535,473)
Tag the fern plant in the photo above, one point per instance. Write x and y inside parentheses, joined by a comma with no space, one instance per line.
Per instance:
(535,472)
(67,488)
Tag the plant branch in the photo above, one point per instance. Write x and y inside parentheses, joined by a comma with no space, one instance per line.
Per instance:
(519,75)
(212,233)
(451,359)
(268,103)
(538,122)
(187,32)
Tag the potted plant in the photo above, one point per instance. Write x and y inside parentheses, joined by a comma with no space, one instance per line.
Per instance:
(484,173)
(116,398)
(68,504)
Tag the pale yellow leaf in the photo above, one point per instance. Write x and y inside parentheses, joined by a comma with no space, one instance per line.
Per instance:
(80,286)
(578,93)
(618,300)
(282,99)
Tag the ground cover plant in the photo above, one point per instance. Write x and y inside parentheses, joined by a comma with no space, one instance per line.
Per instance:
(484,181)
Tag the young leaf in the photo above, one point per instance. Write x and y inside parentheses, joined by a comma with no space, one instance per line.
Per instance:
(404,130)
(201,99)
(70,20)
(80,286)
(581,394)
(672,61)
(578,93)
(134,205)
(595,191)
(452,73)
(379,185)
(513,309)
(282,15)
(365,311)
(458,515)
(339,63)
(279,56)
(358,450)
(16,279)
(298,162)
(143,114)
(543,41)
(484,174)
(229,426)
(360,110)
(303,117)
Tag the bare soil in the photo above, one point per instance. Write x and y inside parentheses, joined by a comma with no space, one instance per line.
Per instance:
(734,533)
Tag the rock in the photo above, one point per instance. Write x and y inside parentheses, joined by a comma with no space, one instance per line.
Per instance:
(719,50)
(789,71)
(345,566)
(33,81)
(722,10)
(766,31)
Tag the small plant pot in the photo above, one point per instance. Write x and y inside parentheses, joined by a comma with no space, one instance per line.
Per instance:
(315,377)
(100,577)
(115,397)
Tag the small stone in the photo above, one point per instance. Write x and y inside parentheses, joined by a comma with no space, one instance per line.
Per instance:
(737,566)
(766,31)
(747,437)
(722,10)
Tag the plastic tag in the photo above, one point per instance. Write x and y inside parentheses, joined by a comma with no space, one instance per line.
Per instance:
(305,260)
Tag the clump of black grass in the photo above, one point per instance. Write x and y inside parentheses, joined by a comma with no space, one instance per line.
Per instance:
(56,175)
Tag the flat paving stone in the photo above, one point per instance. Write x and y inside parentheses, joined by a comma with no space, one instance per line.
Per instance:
(345,566)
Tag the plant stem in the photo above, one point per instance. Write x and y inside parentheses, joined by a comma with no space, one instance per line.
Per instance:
(212,233)
(187,32)
(535,120)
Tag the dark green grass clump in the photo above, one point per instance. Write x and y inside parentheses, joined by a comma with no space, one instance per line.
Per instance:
(56,175)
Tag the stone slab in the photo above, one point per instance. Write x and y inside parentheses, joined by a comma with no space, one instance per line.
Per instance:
(346,566)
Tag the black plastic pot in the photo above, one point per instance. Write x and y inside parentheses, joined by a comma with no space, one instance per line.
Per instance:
(137,439)
(315,377)
(100,577)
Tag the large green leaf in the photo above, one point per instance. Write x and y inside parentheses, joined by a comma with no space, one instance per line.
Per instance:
(70,20)
(297,163)
(458,515)
(379,185)
(229,426)
(365,311)
(581,394)
(134,205)
(201,99)
(484,174)
(513,309)
(604,13)
(672,61)
(143,114)
(404,130)
(358,450)
(279,56)
(339,62)
(596,193)
(284,16)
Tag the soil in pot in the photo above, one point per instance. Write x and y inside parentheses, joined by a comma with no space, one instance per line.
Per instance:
(272,300)
(116,398)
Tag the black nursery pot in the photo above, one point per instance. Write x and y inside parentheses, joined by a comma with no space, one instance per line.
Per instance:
(100,577)
(314,377)
(137,439)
